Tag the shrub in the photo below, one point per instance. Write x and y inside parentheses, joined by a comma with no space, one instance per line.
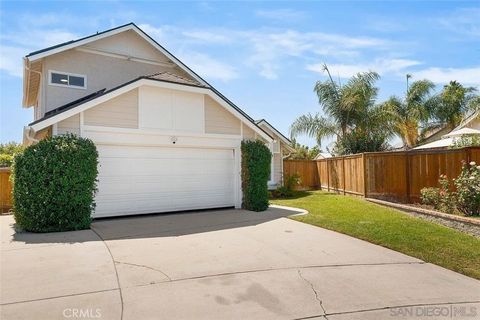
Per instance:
(288,188)
(256,158)
(7,151)
(430,196)
(5,160)
(54,183)
(468,189)
(440,198)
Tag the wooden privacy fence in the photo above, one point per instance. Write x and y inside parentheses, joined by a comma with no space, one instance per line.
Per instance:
(5,190)
(397,176)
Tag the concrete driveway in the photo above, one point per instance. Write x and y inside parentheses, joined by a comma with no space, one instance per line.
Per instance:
(220,264)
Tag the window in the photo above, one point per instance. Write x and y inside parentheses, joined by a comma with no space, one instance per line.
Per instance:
(67,80)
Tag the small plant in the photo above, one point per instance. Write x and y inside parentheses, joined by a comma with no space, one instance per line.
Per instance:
(439,198)
(256,159)
(430,196)
(288,188)
(468,189)
(54,183)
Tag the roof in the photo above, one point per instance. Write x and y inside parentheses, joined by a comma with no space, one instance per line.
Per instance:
(461,132)
(170,77)
(78,40)
(286,140)
(468,119)
(442,143)
(323,155)
(102,95)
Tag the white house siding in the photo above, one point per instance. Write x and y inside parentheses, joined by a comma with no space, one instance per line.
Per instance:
(218,120)
(121,111)
(69,125)
(171,110)
(128,43)
(277,167)
(248,134)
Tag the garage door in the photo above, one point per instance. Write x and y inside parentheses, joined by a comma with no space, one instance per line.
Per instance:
(136,180)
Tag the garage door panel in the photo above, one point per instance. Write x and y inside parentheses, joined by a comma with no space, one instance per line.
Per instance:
(134,180)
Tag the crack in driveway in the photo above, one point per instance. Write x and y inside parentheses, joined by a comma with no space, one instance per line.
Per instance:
(143,266)
(115,268)
(314,291)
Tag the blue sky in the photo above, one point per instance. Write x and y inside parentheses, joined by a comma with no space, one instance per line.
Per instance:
(264,56)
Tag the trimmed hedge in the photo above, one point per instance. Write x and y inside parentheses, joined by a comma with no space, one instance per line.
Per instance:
(54,184)
(256,159)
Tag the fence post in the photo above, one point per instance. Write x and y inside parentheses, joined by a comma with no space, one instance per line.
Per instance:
(407,175)
(468,154)
(364,160)
(328,176)
(343,174)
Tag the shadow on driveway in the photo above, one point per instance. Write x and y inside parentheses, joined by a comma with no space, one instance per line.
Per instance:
(151,226)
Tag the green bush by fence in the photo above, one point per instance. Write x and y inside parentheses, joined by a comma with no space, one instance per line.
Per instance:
(54,183)
(256,159)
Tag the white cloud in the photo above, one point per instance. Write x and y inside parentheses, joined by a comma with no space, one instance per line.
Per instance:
(464,21)
(14,46)
(206,36)
(281,14)
(208,67)
(11,60)
(470,76)
(381,66)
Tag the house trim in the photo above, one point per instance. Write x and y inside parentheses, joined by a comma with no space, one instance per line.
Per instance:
(40,124)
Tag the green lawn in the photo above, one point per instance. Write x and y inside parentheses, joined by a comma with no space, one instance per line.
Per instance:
(390,228)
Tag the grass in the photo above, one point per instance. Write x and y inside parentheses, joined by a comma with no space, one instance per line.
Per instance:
(390,228)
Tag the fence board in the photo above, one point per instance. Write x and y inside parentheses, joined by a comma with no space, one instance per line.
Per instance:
(395,176)
(5,190)
(305,169)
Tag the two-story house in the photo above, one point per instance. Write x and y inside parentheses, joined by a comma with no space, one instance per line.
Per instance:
(167,140)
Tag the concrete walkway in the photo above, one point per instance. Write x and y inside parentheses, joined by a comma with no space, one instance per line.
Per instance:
(224,264)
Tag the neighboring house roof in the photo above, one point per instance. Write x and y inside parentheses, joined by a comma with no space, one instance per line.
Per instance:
(462,132)
(284,139)
(442,143)
(162,76)
(323,155)
(468,119)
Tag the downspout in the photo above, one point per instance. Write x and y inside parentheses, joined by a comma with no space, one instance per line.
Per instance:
(28,134)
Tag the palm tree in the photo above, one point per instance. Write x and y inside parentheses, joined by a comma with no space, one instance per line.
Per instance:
(407,115)
(453,103)
(346,107)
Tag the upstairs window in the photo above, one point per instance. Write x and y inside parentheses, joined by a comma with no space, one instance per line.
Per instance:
(70,80)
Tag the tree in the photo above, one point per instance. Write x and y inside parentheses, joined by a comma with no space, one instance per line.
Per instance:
(348,108)
(407,115)
(303,152)
(453,103)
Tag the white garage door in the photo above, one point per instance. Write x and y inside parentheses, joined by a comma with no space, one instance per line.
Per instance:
(135,180)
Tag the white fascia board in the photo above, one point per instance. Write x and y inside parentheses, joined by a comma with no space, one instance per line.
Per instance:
(279,135)
(154,83)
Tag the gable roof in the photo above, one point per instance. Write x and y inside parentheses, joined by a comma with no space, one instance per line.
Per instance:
(91,100)
(163,76)
(35,55)
(284,139)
